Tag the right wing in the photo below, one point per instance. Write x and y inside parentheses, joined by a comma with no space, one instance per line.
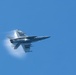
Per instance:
(26,47)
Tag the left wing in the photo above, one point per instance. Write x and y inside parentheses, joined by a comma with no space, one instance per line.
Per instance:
(26,47)
(15,45)
(19,33)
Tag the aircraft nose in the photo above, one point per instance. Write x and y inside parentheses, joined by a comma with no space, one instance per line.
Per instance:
(47,36)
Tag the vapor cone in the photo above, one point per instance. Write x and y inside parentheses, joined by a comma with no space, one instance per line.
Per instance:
(14,52)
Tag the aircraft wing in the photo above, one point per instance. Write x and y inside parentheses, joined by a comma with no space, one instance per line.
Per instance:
(26,47)
(16,45)
(19,33)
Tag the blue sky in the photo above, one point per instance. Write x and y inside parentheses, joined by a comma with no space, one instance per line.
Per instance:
(54,56)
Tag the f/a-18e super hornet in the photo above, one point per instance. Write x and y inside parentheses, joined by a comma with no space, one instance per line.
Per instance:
(24,40)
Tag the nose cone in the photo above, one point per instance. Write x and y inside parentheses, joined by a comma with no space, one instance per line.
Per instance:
(47,37)
(44,37)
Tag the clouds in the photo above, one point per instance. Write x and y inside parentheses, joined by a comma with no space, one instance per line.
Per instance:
(19,53)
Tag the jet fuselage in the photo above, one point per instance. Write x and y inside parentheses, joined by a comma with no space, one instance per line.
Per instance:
(24,40)
(28,40)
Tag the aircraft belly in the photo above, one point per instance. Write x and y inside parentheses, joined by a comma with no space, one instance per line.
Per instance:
(25,41)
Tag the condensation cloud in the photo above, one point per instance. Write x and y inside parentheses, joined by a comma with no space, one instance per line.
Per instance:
(19,53)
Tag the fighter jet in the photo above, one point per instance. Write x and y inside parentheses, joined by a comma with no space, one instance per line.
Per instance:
(24,40)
